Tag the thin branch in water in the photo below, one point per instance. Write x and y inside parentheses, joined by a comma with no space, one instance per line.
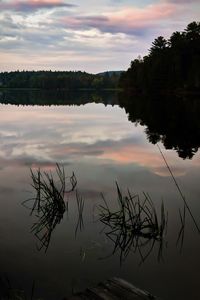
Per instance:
(178,188)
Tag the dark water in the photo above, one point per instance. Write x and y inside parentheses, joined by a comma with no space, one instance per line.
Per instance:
(91,136)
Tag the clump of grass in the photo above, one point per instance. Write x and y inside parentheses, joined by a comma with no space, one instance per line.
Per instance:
(134,224)
(49,203)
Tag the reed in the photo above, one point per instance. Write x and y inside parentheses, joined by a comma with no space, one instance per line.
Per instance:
(49,202)
(134,224)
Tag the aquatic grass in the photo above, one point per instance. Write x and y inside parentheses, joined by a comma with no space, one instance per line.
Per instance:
(49,203)
(134,224)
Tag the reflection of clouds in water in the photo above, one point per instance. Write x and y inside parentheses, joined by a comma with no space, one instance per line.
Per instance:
(110,149)
(37,131)
(163,171)
(67,122)
(45,135)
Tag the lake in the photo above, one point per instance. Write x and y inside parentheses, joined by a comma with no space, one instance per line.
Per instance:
(103,141)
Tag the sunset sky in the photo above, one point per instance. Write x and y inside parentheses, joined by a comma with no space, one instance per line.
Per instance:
(87,35)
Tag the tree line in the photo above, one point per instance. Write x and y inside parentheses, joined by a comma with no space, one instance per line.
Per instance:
(58,80)
(172,64)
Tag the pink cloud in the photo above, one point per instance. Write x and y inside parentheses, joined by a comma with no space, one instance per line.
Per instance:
(141,16)
(124,154)
(145,158)
(126,20)
(32,5)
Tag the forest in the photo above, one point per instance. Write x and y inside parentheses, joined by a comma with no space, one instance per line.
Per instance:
(172,65)
(69,80)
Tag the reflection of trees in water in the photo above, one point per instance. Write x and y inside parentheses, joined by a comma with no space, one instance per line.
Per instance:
(170,120)
(56,97)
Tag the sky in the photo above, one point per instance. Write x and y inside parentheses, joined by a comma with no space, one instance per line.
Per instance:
(91,36)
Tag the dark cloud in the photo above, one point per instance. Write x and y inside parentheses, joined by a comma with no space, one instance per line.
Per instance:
(33,5)
(92,20)
(104,24)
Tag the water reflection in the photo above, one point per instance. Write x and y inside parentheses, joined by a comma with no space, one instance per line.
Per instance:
(49,203)
(168,119)
(101,146)
(134,226)
(172,120)
(8,290)
(56,97)
(80,207)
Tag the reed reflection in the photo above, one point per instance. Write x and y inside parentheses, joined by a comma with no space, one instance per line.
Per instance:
(50,203)
(134,224)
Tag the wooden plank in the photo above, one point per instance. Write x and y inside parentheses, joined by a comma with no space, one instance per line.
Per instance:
(128,286)
(76,297)
(101,293)
(114,289)
(120,292)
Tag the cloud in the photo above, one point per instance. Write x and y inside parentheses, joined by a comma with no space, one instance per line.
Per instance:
(33,5)
(182,1)
(129,20)
(111,35)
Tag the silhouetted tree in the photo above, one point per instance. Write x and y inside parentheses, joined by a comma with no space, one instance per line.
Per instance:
(172,64)
(158,45)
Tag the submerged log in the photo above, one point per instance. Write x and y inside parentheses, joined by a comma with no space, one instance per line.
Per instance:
(114,289)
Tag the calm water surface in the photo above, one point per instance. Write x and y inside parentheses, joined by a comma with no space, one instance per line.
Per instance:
(100,146)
